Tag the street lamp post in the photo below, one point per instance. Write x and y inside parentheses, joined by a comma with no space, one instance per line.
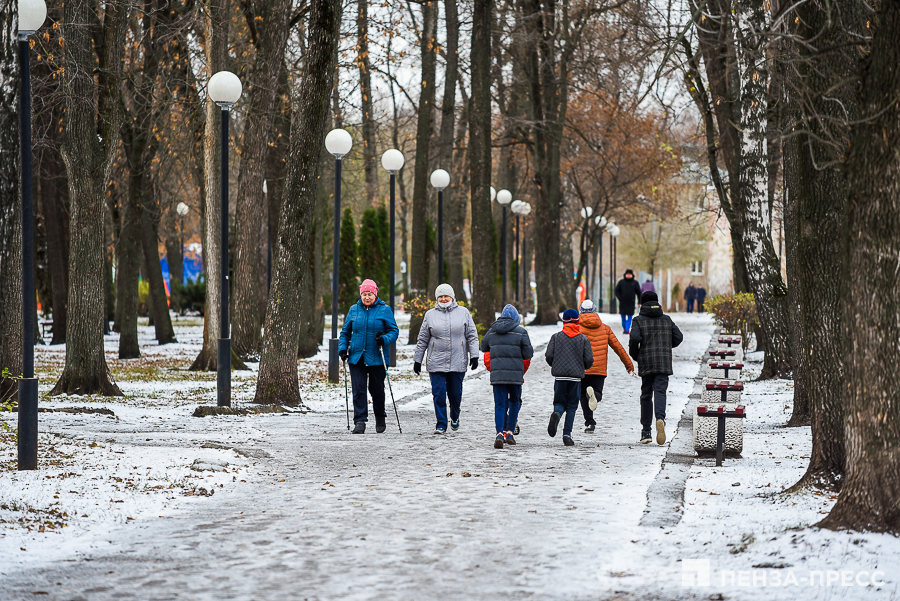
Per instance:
(598,275)
(586,213)
(525,212)
(504,197)
(440,179)
(613,230)
(225,90)
(392,160)
(268,240)
(516,208)
(338,142)
(182,210)
(31,16)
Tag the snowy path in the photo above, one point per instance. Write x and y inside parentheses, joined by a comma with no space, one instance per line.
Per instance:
(392,515)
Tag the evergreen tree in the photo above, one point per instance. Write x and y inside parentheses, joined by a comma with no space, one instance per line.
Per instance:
(384,236)
(372,258)
(348,288)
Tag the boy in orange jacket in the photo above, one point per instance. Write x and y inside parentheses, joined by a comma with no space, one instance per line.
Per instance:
(602,339)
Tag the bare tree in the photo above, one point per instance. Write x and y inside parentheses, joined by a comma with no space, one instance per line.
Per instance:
(278,380)
(90,139)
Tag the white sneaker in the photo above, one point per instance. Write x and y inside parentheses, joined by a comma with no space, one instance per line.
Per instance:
(592,398)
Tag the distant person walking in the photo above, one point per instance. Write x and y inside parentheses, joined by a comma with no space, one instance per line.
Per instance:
(690,295)
(701,298)
(602,339)
(448,334)
(507,354)
(648,286)
(628,291)
(652,339)
(368,328)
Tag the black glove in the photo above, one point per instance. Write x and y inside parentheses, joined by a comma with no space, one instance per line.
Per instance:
(343,355)
(473,363)
(417,367)
(379,338)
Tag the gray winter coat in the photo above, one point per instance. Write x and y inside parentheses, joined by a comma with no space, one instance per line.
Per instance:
(510,347)
(450,337)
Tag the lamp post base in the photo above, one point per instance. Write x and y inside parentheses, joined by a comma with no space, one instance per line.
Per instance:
(333,361)
(28,423)
(223,375)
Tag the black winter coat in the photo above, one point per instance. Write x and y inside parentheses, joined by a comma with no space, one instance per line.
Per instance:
(628,293)
(510,347)
(690,293)
(653,336)
(569,356)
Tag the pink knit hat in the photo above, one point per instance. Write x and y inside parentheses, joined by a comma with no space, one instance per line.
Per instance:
(369,286)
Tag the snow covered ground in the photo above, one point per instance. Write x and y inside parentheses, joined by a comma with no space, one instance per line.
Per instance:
(150,502)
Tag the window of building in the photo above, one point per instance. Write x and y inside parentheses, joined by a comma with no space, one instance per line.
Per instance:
(697,268)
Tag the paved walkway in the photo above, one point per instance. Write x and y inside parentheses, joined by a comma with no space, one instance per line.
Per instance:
(401,516)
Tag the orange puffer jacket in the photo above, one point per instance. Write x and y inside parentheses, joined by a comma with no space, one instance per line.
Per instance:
(602,337)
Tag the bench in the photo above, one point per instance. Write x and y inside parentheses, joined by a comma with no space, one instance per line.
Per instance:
(729,341)
(705,429)
(728,354)
(721,413)
(723,370)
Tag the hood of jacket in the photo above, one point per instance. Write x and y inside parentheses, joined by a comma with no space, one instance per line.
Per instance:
(377,302)
(590,321)
(504,325)
(652,309)
(571,329)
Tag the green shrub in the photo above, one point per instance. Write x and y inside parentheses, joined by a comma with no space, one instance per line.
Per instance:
(736,313)
(143,295)
(191,296)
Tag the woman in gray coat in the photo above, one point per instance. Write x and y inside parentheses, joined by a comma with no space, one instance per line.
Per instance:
(449,335)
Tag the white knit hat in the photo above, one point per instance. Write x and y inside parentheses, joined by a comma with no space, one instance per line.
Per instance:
(587,306)
(444,290)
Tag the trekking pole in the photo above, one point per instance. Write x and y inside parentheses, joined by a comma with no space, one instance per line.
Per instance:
(346,401)
(393,402)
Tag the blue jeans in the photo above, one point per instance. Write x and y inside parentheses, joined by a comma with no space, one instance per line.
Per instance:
(690,306)
(565,400)
(444,384)
(626,322)
(507,402)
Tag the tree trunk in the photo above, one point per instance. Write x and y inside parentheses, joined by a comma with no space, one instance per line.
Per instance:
(868,499)
(483,270)
(162,321)
(370,159)
(176,269)
(54,197)
(263,94)
(10,201)
(418,265)
(825,88)
(454,197)
(129,260)
(312,312)
(278,380)
(216,50)
(763,267)
(90,140)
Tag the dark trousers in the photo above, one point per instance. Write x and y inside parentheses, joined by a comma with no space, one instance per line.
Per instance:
(565,399)
(446,384)
(507,402)
(373,375)
(596,382)
(690,306)
(653,391)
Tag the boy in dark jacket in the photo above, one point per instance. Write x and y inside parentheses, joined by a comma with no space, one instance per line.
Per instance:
(569,355)
(507,355)
(653,336)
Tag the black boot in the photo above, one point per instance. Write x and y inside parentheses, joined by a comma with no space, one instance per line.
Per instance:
(379,426)
(359,428)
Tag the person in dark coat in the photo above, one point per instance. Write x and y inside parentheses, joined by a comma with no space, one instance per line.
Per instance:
(627,292)
(507,354)
(569,354)
(701,298)
(653,336)
(368,328)
(690,295)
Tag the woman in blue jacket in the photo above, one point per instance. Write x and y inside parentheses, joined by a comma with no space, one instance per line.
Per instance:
(368,328)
